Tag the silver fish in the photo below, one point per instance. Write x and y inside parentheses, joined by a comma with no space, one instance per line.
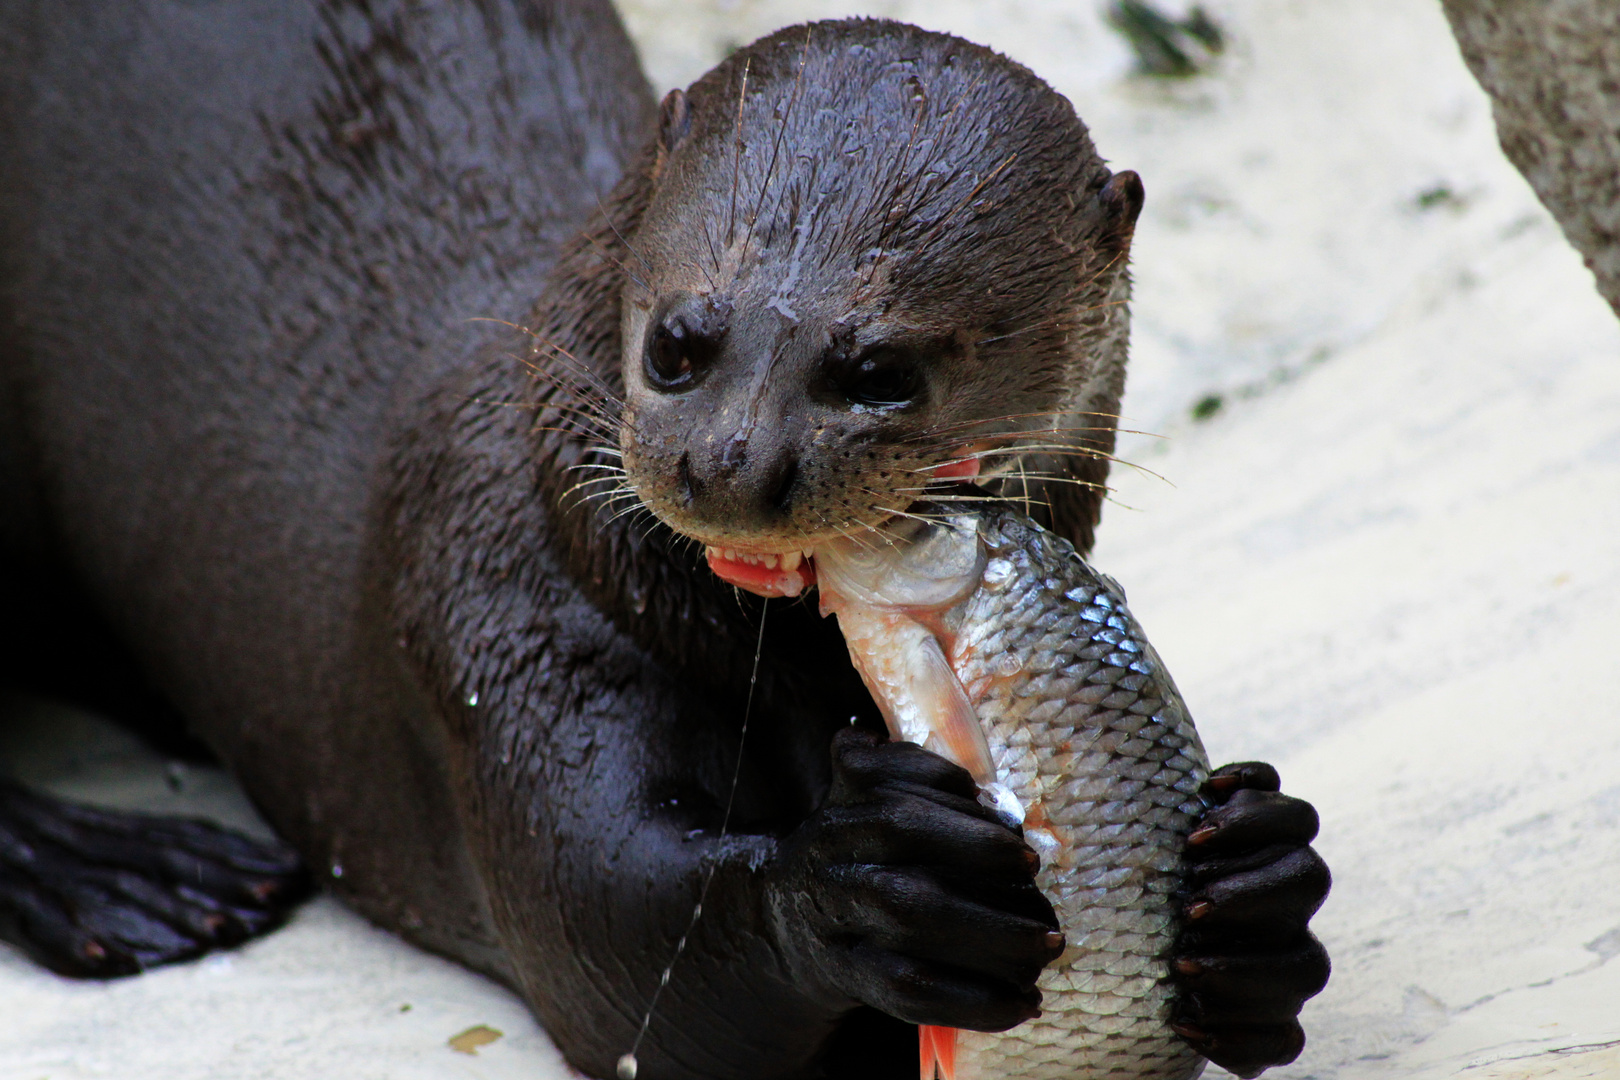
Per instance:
(988,640)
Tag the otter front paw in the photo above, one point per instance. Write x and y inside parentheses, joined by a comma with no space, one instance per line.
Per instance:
(1246,962)
(903,893)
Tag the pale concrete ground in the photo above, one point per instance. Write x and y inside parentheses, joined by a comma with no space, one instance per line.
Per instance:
(1389,564)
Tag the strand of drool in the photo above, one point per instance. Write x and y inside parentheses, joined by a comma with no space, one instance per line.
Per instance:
(627,1066)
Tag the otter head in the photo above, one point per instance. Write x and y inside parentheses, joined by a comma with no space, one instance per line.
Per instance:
(873,258)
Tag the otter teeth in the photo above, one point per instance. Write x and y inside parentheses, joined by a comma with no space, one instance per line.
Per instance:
(787,562)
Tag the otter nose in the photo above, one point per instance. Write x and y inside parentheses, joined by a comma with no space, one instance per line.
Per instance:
(747,481)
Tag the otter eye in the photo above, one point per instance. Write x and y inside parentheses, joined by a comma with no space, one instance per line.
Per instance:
(675,351)
(883,377)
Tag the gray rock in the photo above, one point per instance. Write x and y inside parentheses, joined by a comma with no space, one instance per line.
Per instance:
(1552,68)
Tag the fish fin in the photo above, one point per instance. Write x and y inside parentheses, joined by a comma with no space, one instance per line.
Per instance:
(950,714)
(938,1051)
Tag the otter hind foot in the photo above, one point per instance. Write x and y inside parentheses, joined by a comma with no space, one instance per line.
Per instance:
(95,893)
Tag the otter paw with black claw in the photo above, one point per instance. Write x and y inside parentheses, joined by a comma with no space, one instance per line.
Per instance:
(903,893)
(94,893)
(1246,962)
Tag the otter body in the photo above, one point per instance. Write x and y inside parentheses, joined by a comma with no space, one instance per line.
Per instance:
(234,256)
(254,428)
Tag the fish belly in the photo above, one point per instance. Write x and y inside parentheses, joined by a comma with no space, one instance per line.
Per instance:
(1087,730)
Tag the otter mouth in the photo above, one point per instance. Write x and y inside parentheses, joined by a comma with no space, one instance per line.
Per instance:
(764,573)
(791,573)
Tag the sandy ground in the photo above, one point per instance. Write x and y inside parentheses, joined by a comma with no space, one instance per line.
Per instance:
(1388,563)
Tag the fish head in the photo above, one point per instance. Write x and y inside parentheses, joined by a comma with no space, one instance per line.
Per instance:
(920,567)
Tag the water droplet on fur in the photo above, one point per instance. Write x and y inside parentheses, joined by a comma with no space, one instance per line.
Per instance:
(472,699)
(337,870)
(627,1068)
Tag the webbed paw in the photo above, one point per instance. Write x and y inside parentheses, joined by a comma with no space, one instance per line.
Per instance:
(1246,962)
(904,893)
(97,893)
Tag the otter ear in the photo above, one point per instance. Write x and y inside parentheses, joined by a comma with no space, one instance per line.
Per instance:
(1121,202)
(674,120)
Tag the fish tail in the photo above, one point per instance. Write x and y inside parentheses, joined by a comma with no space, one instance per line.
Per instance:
(938,1051)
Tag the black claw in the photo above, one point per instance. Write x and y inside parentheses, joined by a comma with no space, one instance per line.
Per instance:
(1240,776)
(1253,819)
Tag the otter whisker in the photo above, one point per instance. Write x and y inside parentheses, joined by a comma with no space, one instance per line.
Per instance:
(1053,450)
(954,440)
(1070,314)
(1036,477)
(608,422)
(609,495)
(577,423)
(595,480)
(927,519)
(902,180)
(947,437)
(736,161)
(593,382)
(714,253)
(1062,450)
(1051,324)
(608,256)
(498,403)
(592,482)
(928,238)
(1023,482)
(627,511)
(839,529)
(653,525)
(776,147)
(605,426)
(573,432)
(539,339)
(862,536)
(602,499)
(1020,448)
(607,219)
(617,470)
(957,425)
(556,379)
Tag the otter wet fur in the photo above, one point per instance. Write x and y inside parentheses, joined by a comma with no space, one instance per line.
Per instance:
(393,392)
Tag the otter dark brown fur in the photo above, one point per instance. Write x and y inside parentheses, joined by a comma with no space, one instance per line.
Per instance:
(336,523)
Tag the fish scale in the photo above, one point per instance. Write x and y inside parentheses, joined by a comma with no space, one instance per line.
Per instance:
(1082,726)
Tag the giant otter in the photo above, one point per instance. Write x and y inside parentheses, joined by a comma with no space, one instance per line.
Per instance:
(263,469)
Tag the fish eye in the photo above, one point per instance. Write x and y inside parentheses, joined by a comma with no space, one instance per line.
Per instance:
(882,377)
